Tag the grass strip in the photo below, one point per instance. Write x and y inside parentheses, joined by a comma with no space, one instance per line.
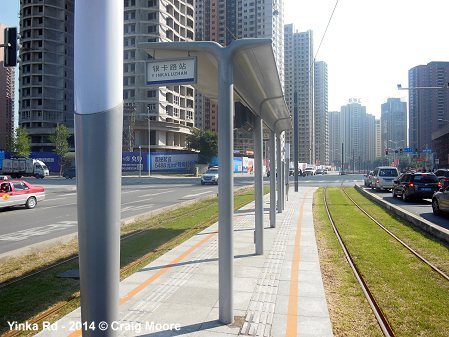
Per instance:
(155,236)
(412,296)
(426,245)
(349,311)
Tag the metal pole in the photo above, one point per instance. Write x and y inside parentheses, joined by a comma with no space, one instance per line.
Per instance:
(98,83)
(272,179)
(283,183)
(140,161)
(296,144)
(258,184)
(226,186)
(278,172)
(149,143)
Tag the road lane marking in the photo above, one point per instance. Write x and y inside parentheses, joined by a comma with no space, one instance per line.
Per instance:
(153,194)
(136,208)
(38,231)
(195,195)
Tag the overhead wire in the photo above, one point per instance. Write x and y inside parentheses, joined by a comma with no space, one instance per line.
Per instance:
(325,31)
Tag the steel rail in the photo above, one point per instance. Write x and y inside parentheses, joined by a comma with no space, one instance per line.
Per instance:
(378,313)
(414,252)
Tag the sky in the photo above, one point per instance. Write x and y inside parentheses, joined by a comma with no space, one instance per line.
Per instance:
(371,44)
(369,47)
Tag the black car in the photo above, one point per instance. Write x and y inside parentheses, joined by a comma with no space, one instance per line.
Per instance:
(416,185)
(443,176)
(69,173)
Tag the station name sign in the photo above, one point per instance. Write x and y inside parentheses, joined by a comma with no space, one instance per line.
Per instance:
(172,71)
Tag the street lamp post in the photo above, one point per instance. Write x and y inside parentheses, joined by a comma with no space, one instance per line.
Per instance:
(140,160)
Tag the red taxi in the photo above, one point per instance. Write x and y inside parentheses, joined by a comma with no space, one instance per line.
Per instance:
(19,192)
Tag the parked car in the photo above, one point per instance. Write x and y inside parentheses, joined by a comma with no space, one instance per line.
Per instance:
(416,186)
(367,179)
(440,201)
(210,177)
(383,177)
(4,177)
(443,176)
(319,171)
(20,192)
(70,173)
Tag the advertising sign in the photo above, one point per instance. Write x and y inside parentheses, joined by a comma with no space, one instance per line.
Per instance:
(173,71)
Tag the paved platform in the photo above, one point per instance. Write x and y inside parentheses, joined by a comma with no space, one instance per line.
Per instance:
(278,294)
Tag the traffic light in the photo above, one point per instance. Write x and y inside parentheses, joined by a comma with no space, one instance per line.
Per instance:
(10,47)
(386,152)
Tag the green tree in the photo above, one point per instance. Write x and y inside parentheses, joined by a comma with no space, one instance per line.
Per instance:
(21,144)
(60,139)
(204,141)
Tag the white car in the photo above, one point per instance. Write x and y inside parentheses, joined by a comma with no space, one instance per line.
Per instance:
(210,177)
(309,171)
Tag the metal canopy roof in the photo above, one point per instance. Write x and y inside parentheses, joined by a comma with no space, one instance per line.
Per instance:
(256,79)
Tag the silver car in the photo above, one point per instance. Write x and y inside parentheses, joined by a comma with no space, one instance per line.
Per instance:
(210,177)
(383,177)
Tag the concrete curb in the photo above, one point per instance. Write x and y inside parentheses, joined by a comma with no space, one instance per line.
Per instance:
(423,224)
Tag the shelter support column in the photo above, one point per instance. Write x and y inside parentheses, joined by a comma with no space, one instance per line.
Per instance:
(258,184)
(272,179)
(278,173)
(226,186)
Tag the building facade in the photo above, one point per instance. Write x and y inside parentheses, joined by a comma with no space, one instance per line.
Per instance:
(156,117)
(357,130)
(321,114)
(6,99)
(335,140)
(428,108)
(394,124)
(299,92)
(379,147)
(225,21)
(46,69)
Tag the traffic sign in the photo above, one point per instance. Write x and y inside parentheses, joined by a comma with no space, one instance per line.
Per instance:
(408,150)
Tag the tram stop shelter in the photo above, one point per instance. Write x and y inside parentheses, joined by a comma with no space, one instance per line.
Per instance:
(244,71)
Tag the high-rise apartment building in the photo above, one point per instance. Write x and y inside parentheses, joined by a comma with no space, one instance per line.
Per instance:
(370,145)
(170,109)
(394,124)
(321,114)
(428,108)
(225,21)
(299,86)
(6,99)
(379,147)
(335,139)
(46,70)
(357,130)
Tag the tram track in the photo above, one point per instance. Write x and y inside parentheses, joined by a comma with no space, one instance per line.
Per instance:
(378,313)
(408,247)
(361,263)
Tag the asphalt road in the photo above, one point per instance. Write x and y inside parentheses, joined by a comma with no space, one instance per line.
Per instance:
(423,208)
(56,216)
